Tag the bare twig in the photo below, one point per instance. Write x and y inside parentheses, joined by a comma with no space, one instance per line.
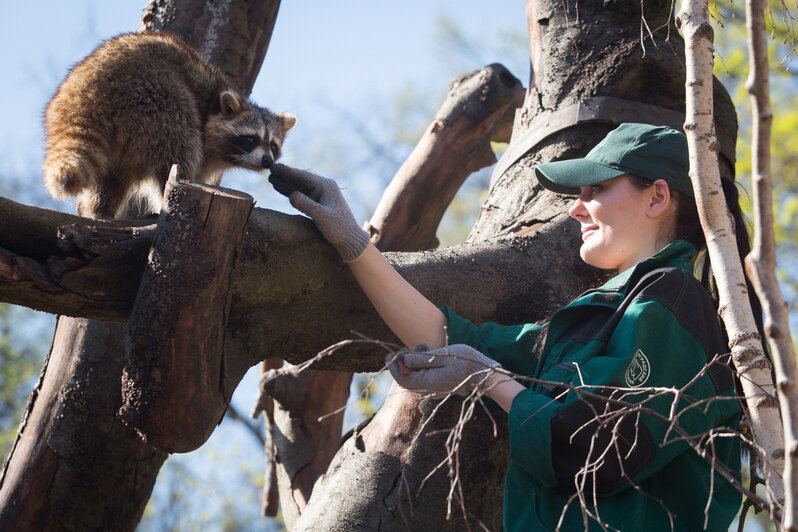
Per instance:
(761,262)
(615,404)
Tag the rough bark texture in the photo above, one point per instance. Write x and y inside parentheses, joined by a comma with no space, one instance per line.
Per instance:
(476,111)
(287,277)
(74,466)
(65,264)
(761,263)
(91,472)
(232,34)
(380,490)
(734,306)
(593,53)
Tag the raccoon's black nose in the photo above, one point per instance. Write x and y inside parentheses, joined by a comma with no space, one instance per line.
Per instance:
(267,161)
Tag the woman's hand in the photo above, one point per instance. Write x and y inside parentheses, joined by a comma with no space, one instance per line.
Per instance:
(453,369)
(321,199)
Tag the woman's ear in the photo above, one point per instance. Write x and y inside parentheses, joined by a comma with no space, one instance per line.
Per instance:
(659,198)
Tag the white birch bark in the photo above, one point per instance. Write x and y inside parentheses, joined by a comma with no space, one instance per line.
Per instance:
(761,262)
(735,309)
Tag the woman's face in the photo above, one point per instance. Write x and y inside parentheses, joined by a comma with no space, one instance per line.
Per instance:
(620,222)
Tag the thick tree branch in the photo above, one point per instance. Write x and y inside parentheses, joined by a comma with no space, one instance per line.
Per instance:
(478,109)
(287,276)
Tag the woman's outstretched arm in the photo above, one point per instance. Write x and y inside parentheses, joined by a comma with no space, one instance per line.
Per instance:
(413,318)
(410,315)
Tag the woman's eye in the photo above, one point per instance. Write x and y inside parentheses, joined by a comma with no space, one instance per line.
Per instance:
(595,189)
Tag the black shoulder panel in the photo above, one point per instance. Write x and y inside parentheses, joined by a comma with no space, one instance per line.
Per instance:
(682,294)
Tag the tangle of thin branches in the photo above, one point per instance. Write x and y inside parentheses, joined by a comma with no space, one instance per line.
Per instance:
(610,406)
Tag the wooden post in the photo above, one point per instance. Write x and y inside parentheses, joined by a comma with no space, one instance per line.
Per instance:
(172,383)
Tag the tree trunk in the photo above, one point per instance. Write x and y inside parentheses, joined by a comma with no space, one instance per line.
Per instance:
(74,465)
(372,484)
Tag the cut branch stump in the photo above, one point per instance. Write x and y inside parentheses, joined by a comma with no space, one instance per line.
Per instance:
(172,383)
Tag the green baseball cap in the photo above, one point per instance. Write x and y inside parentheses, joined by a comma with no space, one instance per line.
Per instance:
(651,152)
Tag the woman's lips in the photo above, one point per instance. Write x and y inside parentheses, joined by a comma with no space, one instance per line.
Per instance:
(586,230)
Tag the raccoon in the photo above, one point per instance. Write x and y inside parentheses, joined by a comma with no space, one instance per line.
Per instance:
(138,104)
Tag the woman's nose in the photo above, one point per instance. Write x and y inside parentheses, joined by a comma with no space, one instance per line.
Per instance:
(577,209)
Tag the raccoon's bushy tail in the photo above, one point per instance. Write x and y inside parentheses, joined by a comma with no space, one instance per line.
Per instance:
(68,171)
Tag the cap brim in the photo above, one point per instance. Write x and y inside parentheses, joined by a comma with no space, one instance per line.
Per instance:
(565,177)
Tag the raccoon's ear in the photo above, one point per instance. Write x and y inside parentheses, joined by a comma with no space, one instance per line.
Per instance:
(230,103)
(288,120)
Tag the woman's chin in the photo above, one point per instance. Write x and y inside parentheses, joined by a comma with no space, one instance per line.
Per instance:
(594,257)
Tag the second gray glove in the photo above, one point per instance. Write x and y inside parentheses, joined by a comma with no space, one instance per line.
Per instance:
(321,199)
(457,369)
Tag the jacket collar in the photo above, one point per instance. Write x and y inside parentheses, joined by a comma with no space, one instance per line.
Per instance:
(677,254)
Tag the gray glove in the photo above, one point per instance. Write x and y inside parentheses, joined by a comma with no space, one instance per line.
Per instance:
(455,369)
(321,199)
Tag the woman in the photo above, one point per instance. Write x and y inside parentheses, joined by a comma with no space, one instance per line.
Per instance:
(652,325)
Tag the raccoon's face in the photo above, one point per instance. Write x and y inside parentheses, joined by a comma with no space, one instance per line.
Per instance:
(245,135)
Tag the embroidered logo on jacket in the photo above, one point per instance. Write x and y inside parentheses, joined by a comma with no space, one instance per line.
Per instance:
(638,371)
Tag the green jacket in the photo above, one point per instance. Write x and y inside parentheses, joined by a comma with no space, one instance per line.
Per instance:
(663,335)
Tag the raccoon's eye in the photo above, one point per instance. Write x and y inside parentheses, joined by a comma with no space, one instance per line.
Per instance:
(251,140)
(274,147)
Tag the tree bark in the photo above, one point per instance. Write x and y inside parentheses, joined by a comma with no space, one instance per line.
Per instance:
(477,110)
(734,307)
(74,465)
(90,472)
(286,277)
(231,34)
(761,262)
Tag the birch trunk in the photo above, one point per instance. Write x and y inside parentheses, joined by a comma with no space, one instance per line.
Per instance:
(746,348)
(761,262)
